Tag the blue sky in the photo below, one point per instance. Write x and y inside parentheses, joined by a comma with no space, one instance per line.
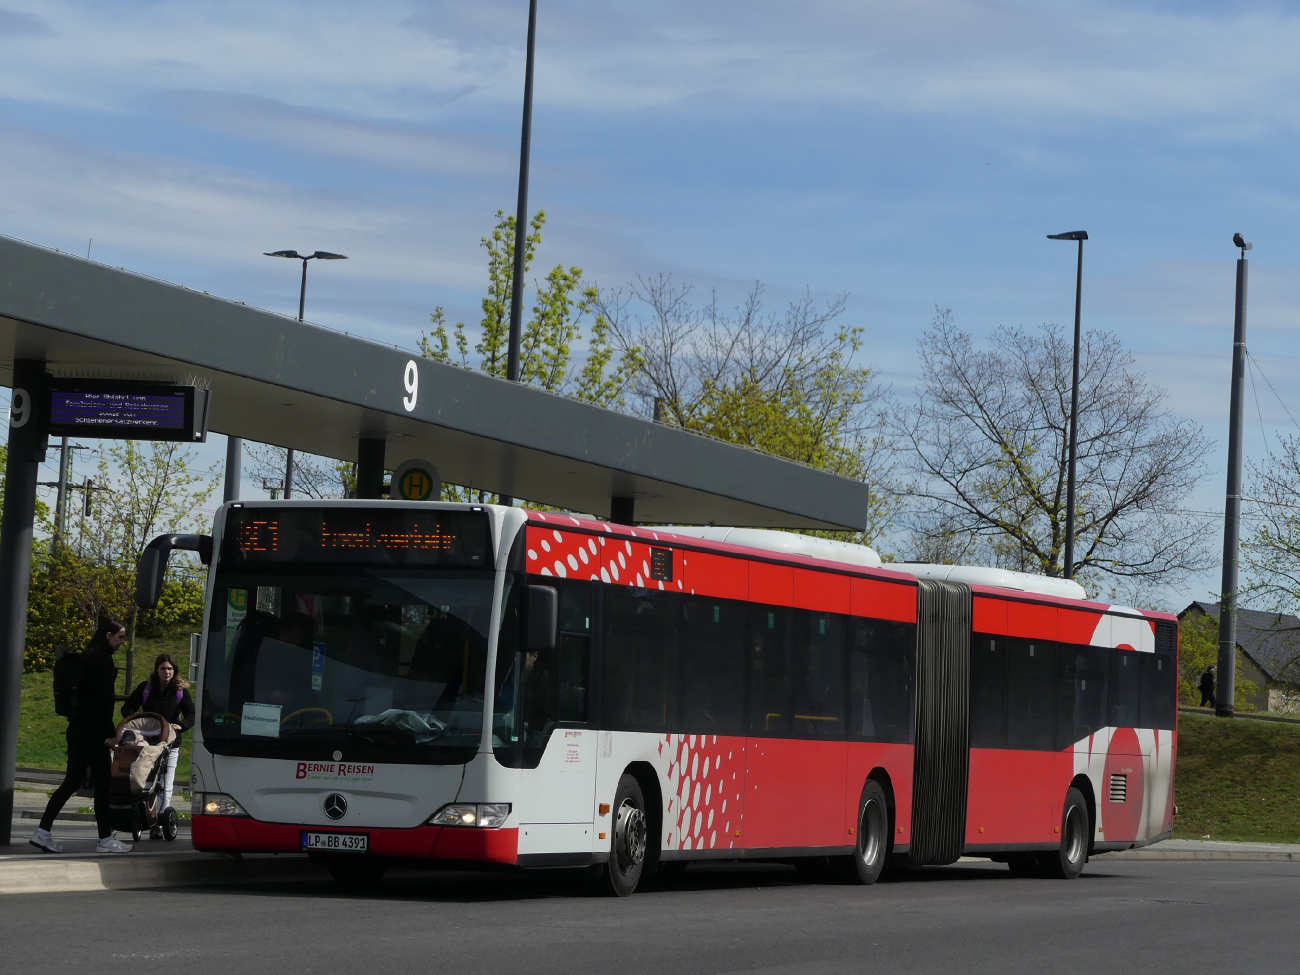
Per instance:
(907,154)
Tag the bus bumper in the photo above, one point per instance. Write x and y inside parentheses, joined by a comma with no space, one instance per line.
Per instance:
(241,834)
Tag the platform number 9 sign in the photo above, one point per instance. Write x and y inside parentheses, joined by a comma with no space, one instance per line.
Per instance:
(20,408)
(411,380)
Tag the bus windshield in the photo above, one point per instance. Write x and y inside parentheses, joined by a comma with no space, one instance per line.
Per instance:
(381,663)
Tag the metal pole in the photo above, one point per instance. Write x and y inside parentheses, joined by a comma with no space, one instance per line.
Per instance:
(288,458)
(302,291)
(61,500)
(370,467)
(513,354)
(26,450)
(1074,425)
(234,467)
(1227,669)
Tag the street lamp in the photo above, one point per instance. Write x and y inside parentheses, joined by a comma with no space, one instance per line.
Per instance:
(1080,236)
(302,302)
(514,347)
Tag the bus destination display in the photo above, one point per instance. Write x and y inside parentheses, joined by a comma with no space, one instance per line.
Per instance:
(399,536)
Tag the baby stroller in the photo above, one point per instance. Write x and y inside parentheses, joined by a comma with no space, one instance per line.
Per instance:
(142,743)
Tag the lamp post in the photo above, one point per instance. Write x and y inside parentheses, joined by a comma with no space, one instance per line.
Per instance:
(1226,679)
(513,350)
(1068,573)
(302,303)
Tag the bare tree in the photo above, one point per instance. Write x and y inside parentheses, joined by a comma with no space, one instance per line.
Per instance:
(786,383)
(313,476)
(987,443)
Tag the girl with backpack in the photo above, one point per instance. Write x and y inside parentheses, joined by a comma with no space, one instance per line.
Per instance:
(165,693)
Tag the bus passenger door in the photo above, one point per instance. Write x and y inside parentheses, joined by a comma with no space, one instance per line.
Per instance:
(559,751)
(796,753)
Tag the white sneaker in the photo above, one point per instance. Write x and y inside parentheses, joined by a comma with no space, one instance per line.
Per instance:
(111,844)
(44,842)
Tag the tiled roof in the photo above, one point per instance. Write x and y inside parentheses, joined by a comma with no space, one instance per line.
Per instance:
(1272,640)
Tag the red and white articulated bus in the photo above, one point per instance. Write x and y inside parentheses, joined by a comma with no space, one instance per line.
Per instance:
(393,681)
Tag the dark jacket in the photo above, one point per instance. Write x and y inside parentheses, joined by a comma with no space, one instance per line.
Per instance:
(96,696)
(161,702)
(1207,681)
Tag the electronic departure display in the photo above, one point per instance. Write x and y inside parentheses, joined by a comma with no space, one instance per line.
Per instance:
(127,410)
(375,536)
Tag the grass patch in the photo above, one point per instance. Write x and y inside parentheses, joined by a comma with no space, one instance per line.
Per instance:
(1238,780)
(40,737)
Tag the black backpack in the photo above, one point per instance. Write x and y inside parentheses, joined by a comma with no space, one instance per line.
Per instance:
(67,681)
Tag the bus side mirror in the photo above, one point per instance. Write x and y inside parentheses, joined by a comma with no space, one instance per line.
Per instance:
(543,618)
(152,567)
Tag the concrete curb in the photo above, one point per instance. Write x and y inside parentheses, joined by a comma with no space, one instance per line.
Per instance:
(71,874)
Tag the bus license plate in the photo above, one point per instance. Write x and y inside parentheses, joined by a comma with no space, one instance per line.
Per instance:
(336,842)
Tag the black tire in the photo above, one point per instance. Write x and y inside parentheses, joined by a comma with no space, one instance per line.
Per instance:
(627,855)
(872,851)
(169,824)
(1066,863)
(356,871)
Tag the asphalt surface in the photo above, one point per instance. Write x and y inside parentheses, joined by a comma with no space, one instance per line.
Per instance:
(1129,916)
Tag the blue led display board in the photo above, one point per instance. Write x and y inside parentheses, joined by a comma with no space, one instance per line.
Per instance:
(126,410)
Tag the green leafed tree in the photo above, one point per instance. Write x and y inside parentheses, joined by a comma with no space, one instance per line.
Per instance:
(552,340)
(1198,650)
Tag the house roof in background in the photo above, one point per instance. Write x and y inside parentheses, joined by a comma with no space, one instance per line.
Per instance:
(1270,639)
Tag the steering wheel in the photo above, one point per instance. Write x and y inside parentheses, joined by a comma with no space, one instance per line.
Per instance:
(328,717)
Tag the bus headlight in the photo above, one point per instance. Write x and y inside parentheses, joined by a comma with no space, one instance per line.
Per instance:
(215,804)
(489,815)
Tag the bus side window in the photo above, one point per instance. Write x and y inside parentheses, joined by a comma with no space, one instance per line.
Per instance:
(713,667)
(769,688)
(1159,691)
(881,654)
(1088,711)
(638,686)
(988,691)
(1031,666)
(1125,688)
(817,675)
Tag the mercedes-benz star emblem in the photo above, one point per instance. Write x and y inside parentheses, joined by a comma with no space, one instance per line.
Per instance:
(336,806)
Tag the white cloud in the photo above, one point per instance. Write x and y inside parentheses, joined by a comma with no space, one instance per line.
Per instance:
(405,60)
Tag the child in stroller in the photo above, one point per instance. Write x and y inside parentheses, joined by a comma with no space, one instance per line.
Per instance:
(140,748)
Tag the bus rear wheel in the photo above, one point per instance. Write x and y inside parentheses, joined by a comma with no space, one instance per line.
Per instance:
(873,834)
(1067,862)
(627,855)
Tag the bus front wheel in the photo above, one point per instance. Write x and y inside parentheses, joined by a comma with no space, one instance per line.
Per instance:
(627,853)
(1067,862)
(873,834)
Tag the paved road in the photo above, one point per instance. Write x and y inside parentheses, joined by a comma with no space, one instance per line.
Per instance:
(1122,917)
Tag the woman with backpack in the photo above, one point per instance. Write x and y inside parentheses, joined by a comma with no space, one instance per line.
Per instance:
(165,693)
(88,705)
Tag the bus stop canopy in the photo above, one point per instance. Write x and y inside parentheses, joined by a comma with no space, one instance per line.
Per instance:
(277,380)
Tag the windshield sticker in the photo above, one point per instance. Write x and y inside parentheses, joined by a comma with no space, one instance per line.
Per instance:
(261,720)
(317,665)
(236,607)
(334,772)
